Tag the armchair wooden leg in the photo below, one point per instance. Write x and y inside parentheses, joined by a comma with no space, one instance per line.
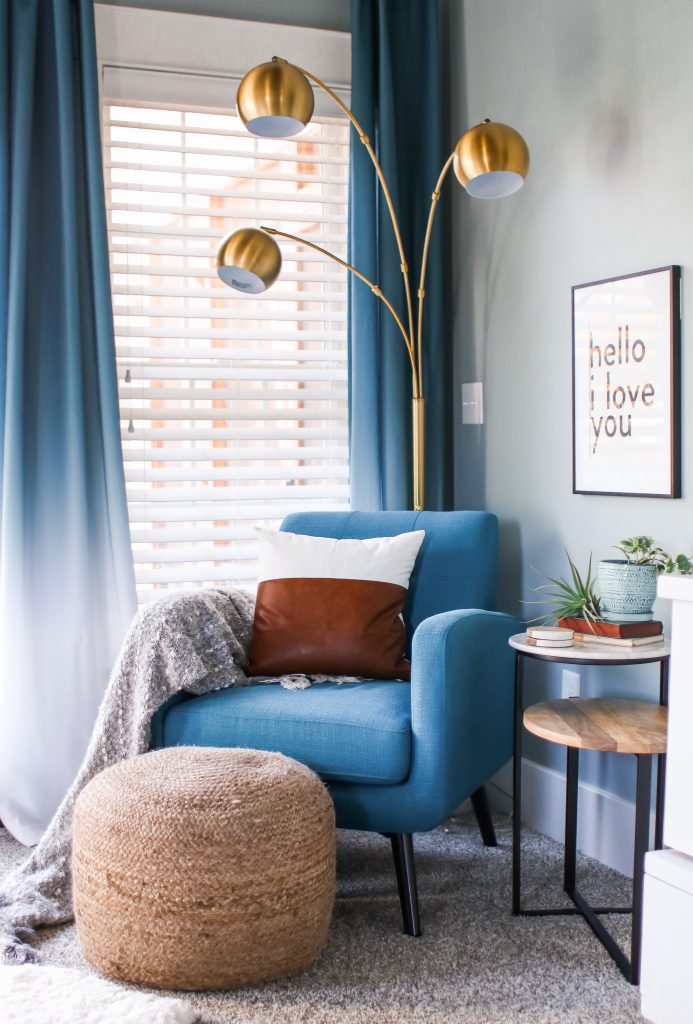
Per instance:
(405,869)
(483,816)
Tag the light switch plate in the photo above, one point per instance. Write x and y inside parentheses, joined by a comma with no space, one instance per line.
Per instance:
(473,403)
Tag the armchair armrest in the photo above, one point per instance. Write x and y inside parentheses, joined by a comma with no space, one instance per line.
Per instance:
(156,740)
(462,704)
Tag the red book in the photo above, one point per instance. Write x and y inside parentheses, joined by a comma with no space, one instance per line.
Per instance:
(615,630)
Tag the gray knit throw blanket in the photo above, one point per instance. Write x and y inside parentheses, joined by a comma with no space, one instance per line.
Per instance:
(195,641)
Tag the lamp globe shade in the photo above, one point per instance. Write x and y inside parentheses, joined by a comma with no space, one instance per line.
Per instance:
(249,261)
(275,100)
(491,160)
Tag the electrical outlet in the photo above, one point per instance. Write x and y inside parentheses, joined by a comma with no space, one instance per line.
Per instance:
(570,684)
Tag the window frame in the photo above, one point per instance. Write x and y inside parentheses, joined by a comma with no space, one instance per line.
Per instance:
(221,49)
(142,52)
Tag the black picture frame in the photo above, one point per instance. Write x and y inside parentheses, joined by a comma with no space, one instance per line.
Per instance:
(626,348)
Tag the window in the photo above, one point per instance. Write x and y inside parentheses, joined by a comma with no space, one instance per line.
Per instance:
(234,408)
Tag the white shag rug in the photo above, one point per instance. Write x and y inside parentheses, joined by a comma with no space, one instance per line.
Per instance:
(64,995)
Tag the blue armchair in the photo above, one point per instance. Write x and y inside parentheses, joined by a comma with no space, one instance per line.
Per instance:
(398,758)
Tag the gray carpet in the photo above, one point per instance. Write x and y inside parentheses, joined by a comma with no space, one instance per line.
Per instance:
(475,963)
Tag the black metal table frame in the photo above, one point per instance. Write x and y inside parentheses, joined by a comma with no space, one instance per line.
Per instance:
(629,968)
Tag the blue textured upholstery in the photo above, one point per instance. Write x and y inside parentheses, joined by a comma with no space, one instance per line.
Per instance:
(392,764)
(456,567)
(356,732)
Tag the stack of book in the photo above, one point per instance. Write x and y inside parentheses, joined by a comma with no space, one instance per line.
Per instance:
(550,636)
(615,634)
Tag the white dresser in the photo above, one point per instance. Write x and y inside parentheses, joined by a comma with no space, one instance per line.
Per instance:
(667,949)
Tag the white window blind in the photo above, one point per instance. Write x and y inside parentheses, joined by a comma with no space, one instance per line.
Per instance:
(234,408)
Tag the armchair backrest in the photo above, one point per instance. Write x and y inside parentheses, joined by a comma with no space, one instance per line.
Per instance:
(456,566)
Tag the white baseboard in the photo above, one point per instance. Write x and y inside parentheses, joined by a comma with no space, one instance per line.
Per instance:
(606,823)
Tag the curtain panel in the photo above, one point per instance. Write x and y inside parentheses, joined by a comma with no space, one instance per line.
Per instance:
(397,96)
(66,579)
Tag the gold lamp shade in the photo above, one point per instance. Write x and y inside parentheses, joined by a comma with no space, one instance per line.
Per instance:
(249,261)
(491,160)
(275,100)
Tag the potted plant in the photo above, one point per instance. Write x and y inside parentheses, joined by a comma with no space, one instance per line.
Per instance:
(628,586)
(573,598)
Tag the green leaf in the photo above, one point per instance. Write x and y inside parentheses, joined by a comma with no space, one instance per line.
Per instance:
(575,597)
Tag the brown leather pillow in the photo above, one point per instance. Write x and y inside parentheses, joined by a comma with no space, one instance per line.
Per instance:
(332,607)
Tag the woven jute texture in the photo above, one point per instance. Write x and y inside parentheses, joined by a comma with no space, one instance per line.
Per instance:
(202,868)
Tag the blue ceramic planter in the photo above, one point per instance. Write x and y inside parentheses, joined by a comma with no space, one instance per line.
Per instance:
(626,590)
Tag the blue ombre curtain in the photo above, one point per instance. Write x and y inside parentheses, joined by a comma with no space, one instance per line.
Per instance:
(396,94)
(66,579)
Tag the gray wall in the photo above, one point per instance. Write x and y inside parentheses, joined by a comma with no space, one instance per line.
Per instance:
(331,14)
(602,93)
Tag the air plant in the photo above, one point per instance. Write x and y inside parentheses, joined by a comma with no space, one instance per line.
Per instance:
(573,598)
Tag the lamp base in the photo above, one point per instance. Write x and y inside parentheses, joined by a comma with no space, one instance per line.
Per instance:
(417,409)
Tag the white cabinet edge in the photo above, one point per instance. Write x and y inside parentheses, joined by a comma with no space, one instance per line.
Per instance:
(671,867)
(675,588)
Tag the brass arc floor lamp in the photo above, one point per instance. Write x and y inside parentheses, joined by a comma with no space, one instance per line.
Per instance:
(491,160)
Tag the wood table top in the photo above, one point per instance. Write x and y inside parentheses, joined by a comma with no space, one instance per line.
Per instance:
(622,726)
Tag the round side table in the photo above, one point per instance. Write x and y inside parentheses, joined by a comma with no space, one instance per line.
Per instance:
(585,654)
(623,727)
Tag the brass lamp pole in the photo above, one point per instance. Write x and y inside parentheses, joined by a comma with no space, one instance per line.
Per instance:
(491,160)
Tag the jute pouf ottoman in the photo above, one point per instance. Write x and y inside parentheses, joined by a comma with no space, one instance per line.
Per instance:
(203,868)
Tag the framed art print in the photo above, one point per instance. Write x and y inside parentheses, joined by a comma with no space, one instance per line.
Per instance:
(626,385)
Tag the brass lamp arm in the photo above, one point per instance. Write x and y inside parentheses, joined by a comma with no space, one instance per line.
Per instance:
(404,266)
(373,287)
(424,261)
